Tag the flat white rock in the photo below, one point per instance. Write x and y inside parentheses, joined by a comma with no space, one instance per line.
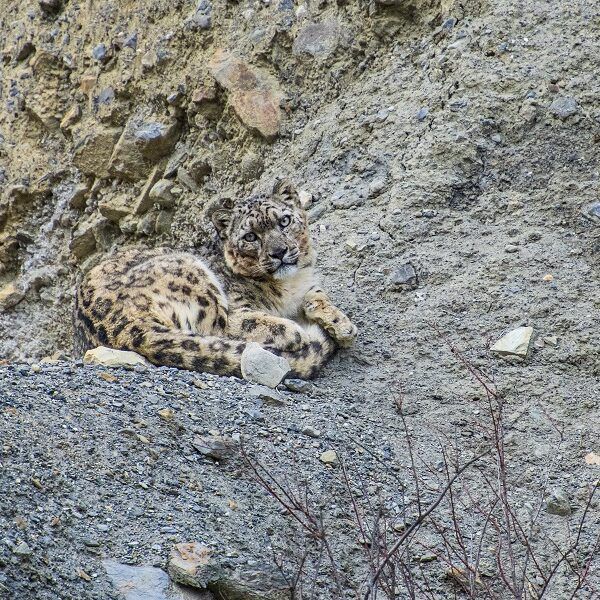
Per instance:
(264,367)
(329,457)
(514,343)
(107,357)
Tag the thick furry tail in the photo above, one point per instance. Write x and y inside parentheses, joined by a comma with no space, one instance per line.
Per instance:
(164,346)
(222,356)
(309,359)
(195,352)
(82,339)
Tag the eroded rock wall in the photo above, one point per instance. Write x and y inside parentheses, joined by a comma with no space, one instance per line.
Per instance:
(417,127)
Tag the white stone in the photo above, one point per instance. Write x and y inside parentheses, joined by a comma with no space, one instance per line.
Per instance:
(306,199)
(264,367)
(107,357)
(329,457)
(514,343)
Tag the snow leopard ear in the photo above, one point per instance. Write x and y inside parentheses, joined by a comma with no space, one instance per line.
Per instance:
(286,191)
(221,214)
(226,202)
(221,219)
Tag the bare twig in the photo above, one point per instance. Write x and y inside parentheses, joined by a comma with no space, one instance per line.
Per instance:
(419,521)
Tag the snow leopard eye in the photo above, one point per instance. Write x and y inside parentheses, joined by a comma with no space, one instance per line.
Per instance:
(285,221)
(250,237)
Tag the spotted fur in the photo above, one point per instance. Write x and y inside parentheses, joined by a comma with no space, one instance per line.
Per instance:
(179,310)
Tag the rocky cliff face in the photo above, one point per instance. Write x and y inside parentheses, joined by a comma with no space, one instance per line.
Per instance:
(120,121)
(418,128)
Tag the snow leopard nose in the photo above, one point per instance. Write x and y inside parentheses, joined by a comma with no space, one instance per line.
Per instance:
(278,252)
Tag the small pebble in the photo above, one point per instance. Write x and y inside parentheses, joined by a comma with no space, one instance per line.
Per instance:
(423,112)
(329,457)
(22,549)
(298,385)
(99,52)
(311,432)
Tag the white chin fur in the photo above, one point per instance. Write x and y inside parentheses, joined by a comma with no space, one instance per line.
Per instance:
(285,272)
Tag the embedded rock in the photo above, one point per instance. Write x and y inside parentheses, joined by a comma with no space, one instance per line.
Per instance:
(592,211)
(148,583)
(267,395)
(141,145)
(71,117)
(299,385)
(213,446)
(42,108)
(201,567)
(256,582)
(83,242)
(108,357)
(22,550)
(404,277)
(251,167)
(317,39)
(24,51)
(199,168)
(161,193)
(191,563)
(93,148)
(10,295)
(514,343)
(329,457)
(254,94)
(115,207)
(564,107)
(558,503)
(187,180)
(50,7)
(163,222)
(144,201)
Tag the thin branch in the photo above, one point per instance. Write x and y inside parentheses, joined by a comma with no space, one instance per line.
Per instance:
(419,521)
